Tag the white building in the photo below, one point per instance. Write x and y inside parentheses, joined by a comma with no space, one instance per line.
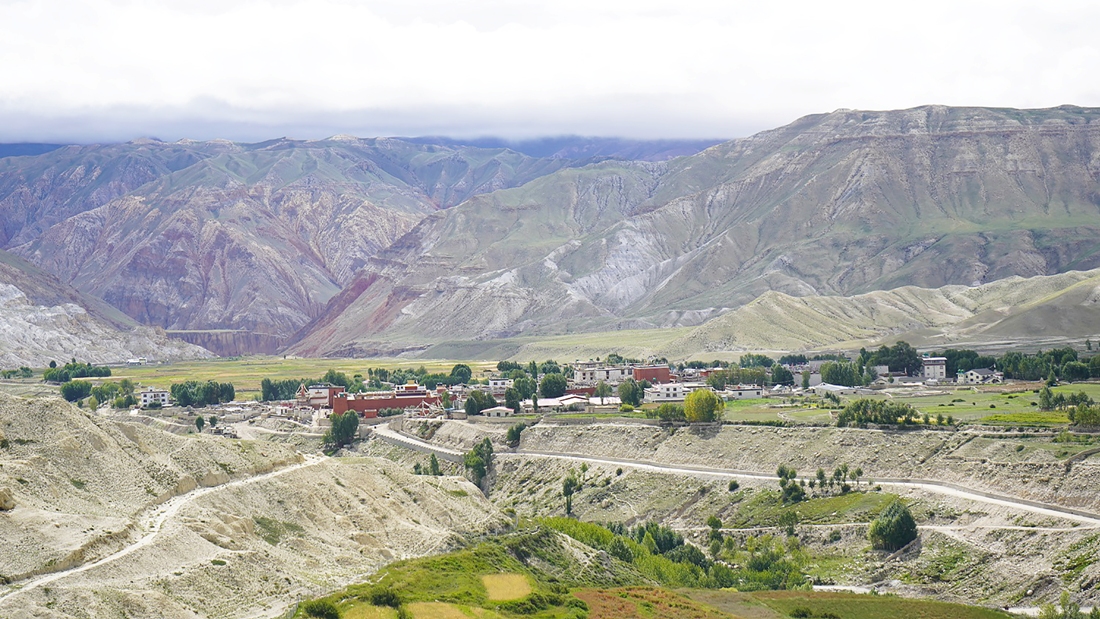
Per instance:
(590,375)
(743,392)
(671,392)
(498,411)
(151,395)
(497,386)
(934,368)
(979,377)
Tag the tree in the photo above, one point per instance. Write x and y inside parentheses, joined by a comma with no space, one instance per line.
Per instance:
(1074,371)
(841,373)
(602,391)
(630,393)
(805,379)
(513,435)
(701,405)
(553,385)
(568,487)
(213,420)
(512,399)
(526,387)
(894,528)
(782,376)
(1046,399)
(344,428)
(74,390)
(478,401)
(200,422)
(478,461)
(461,373)
(433,466)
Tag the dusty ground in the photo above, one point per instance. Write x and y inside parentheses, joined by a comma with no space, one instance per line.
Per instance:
(238,543)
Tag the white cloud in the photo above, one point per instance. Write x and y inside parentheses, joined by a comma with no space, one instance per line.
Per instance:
(104,69)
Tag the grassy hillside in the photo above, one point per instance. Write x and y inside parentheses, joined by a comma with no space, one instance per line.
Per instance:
(548,575)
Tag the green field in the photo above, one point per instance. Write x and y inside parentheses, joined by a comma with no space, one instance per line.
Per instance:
(247,372)
(1015,404)
(769,604)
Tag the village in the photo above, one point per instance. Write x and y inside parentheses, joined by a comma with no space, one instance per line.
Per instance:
(584,389)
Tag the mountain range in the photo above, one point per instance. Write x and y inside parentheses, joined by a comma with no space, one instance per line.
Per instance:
(351,246)
(833,204)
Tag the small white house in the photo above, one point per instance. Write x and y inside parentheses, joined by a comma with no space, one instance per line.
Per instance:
(979,377)
(498,411)
(150,395)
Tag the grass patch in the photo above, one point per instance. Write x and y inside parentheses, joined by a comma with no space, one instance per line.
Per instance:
(273,531)
(1029,418)
(504,587)
(79,484)
(856,606)
(765,508)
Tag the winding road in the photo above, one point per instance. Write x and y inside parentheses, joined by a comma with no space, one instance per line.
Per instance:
(939,487)
(152,522)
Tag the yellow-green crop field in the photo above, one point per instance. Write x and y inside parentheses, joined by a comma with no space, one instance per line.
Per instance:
(246,373)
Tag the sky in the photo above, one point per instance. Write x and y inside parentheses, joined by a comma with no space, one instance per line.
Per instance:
(249,70)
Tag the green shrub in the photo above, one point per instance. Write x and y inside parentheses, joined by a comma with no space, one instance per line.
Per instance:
(322,609)
(894,528)
(384,597)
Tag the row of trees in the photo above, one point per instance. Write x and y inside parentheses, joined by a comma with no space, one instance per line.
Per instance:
(865,411)
(22,372)
(196,393)
(71,370)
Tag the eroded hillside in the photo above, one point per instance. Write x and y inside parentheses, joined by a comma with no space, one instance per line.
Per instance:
(112,517)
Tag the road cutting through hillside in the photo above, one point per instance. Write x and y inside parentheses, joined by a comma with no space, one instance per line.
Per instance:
(938,487)
(153,523)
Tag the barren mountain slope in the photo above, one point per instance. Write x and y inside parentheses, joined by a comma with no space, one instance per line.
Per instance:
(255,237)
(840,203)
(42,319)
(263,528)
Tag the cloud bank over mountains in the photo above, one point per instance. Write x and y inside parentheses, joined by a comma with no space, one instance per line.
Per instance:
(109,70)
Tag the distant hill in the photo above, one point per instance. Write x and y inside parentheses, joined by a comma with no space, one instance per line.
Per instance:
(25,149)
(43,320)
(578,147)
(832,204)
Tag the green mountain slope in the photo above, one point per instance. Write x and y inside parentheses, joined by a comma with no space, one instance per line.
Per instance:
(834,204)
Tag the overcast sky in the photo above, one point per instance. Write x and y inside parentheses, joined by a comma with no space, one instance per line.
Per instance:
(107,70)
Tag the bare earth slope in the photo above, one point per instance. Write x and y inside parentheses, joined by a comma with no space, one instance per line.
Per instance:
(833,204)
(252,526)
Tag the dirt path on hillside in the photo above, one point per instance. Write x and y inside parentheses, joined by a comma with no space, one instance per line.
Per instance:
(934,486)
(153,523)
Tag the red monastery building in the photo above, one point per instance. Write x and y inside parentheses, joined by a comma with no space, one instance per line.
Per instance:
(368,404)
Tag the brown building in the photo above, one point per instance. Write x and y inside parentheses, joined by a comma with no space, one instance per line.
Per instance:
(369,404)
(655,374)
